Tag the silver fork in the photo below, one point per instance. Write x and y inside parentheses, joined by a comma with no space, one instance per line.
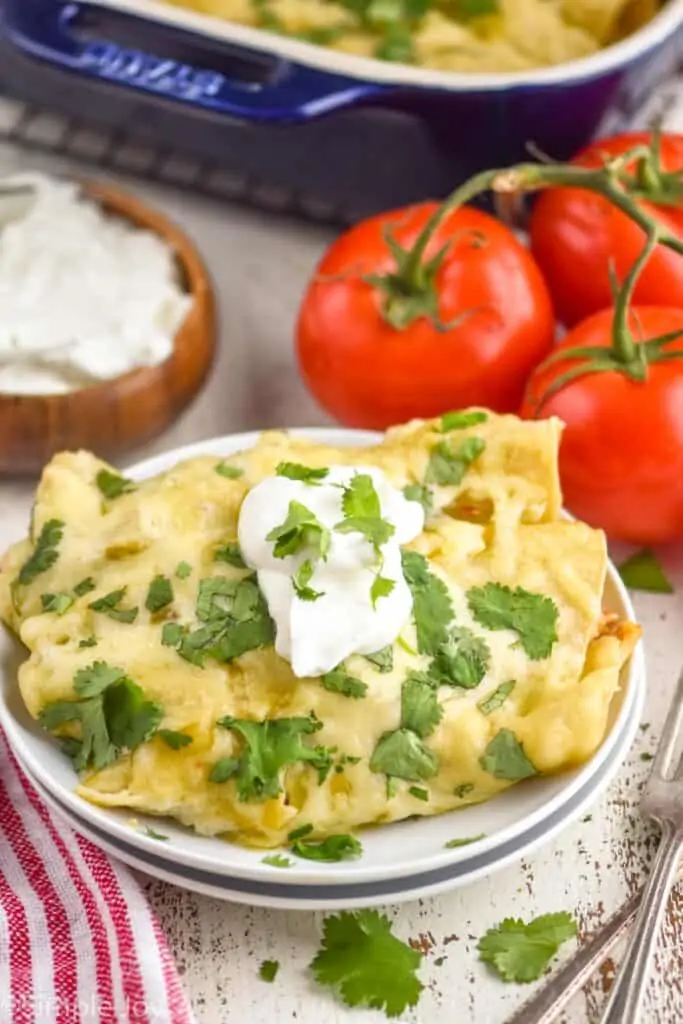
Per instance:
(662,801)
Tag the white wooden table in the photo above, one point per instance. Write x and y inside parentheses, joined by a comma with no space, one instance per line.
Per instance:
(260,265)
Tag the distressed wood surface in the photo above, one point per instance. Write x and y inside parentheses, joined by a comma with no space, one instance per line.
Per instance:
(260,264)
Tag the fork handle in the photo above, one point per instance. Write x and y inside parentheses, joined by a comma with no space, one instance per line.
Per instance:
(623,1005)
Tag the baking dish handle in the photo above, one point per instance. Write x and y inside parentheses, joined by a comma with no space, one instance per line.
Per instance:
(294,92)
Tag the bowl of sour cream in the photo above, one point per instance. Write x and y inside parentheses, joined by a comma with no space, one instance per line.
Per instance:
(107,322)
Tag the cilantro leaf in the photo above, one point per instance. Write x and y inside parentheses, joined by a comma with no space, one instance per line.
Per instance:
(90,641)
(453,844)
(421,494)
(152,834)
(447,467)
(381,587)
(459,420)
(113,485)
(367,964)
(301,529)
(57,603)
(339,681)
(432,608)
(300,832)
(375,531)
(84,587)
(463,789)
(383,660)
(159,595)
(173,739)
(403,755)
(172,634)
(183,570)
(269,747)
(94,680)
(504,758)
(229,472)
(332,849)
(130,718)
(521,952)
(231,554)
(224,769)
(420,708)
(363,512)
(419,793)
(276,860)
(496,699)
(45,552)
(477,8)
(301,579)
(295,471)
(268,970)
(108,605)
(642,571)
(533,616)
(462,660)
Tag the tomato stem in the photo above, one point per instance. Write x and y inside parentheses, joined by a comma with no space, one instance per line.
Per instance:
(625,348)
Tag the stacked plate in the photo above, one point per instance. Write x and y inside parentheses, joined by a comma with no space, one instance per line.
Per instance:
(400,862)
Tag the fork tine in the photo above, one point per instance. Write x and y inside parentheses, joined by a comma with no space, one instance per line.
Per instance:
(670,733)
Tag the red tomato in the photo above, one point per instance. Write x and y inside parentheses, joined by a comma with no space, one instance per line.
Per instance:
(367,373)
(621,456)
(575,234)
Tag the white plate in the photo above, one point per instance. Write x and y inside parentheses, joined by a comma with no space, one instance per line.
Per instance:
(393,852)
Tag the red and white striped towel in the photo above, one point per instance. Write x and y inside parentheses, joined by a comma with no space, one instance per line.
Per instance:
(78,941)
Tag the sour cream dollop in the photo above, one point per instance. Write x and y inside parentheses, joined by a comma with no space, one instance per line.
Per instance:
(315,636)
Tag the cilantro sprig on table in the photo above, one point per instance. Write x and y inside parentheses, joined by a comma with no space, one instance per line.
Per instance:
(533,616)
(113,714)
(522,952)
(366,964)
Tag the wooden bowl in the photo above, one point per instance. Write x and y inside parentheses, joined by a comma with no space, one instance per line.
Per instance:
(117,414)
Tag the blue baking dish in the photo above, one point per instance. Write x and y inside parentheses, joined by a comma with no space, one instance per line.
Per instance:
(205,64)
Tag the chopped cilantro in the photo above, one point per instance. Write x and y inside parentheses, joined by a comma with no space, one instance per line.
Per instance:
(224,769)
(419,793)
(84,587)
(299,833)
(90,641)
(647,757)
(643,571)
(301,529)
(477,8)
(421,494)
(57,603)
(367,964)
(268,748)
(496,699)
(339,681)
(108,605)
(521,952)
(171,634)
(268,970)
(462,660)
(586,818)
(420,709)
(231,554)
(44,554)
(533,616)
(229,472)
(330,850)
(463,789)
(381,587)
(151,834)
(113,715)
(459,420)
(113,485)
(452,844)
(295,471)
(276,860)
(403,754)
(504,758)
(159,595)
(447,466)
(432,608)
(363,512)
(300,580)
(383,660)
(174,740)
(183,570)
(234,618)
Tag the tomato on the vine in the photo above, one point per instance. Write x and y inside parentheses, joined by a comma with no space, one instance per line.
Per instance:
(383,337)
(576,234)
(621,456)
